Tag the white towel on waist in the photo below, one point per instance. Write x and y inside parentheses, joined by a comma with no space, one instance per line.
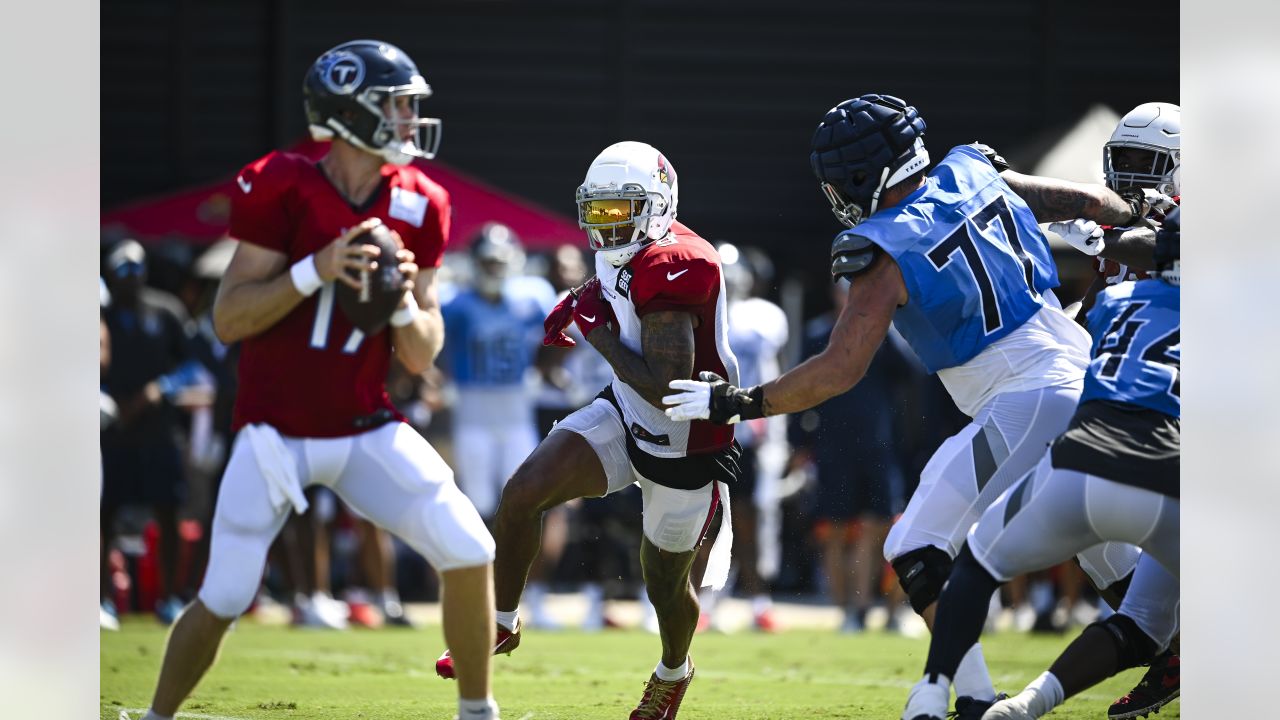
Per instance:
(718,561)
(275,462)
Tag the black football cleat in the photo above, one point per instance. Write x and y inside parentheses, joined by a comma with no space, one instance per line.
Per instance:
(1155,690)
(968,708)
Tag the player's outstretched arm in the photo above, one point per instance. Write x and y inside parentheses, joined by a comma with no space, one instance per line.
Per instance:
(1135,247)
(862,326)
(1053,200)
(418,340)
(666,341)
(258,290)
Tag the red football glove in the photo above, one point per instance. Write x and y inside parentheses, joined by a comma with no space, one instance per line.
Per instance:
(592,310)
(584,305)
(558,320)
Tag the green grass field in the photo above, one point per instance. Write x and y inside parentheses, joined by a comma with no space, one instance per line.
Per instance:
(278,673)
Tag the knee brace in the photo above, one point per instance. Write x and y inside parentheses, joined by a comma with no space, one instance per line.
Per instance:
(922,573)
(1133,647)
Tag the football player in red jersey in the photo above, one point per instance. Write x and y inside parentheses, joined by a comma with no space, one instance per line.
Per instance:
(312,406)
(656,311)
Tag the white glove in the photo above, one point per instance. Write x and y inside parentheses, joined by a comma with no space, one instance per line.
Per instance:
(1158,201)
(692,404)
(1083,235)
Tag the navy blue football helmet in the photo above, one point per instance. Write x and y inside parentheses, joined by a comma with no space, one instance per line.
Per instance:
(863,146)
(352,91)
(1169,248)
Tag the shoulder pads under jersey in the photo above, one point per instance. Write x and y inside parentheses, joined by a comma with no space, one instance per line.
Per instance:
(851,254)
(997,161)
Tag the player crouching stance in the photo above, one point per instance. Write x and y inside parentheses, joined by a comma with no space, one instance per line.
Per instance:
(1112,476)
(659,285)
(312,407)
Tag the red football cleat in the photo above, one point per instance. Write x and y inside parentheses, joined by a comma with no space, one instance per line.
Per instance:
(505,642)
(662,699)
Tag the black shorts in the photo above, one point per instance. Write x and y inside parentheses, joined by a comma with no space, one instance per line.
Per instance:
(744,488)
(150,473)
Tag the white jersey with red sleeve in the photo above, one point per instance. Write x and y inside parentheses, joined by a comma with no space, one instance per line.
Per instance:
(680,272)
(313,374)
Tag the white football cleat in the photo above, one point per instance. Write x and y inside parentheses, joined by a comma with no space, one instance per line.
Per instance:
(928,700)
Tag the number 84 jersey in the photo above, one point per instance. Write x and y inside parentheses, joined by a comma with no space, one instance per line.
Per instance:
(1137,347)
(980,277)
(312,374)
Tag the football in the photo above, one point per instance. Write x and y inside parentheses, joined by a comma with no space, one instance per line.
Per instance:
(370,307)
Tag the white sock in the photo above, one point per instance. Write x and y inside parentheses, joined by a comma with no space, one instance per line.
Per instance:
(1048,694)
(153,715)
(507,619)
(972,678)
(665,673)
(761,603)
(388,596)
(477,709)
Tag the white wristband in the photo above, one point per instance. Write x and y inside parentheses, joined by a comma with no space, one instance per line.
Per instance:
(305,276)
(405,315)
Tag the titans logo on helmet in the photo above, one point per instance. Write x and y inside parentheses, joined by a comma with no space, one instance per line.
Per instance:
(342,72)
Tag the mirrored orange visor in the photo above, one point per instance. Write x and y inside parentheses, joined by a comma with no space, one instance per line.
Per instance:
(606,212)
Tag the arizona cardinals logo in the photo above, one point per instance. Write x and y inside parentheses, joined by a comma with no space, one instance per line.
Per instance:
(664,176)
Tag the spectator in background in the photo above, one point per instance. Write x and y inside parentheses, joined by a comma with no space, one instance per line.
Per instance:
(153,374)
(493,331)
(848,440)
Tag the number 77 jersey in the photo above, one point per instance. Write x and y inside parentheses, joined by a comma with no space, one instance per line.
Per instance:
(973,259)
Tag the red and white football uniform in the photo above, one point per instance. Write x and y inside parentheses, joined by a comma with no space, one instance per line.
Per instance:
(305,381)
(681,467)
(313,374)
(680,272)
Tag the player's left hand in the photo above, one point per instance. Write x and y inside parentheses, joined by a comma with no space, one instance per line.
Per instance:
(1083,235)
(711,397)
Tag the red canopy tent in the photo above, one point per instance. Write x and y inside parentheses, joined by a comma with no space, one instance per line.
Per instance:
(200,215)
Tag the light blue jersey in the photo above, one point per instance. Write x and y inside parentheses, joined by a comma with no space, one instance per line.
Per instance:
(1137,349)
(972,256)
(493,344)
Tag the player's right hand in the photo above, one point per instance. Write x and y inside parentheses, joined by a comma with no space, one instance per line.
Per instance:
(559,319)
(1083,235)
(344,262)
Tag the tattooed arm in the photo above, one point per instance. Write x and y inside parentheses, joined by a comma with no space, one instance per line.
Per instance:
(1135,247)
(1054,200)
(666,339)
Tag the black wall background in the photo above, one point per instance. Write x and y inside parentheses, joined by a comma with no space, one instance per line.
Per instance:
(531,91)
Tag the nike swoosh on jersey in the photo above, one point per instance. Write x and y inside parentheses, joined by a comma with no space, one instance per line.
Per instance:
(673,276)
(245,186)
(589,318)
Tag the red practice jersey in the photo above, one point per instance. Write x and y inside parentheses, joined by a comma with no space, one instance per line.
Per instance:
(680,272)
(312,374)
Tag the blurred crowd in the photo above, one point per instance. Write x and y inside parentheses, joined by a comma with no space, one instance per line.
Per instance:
(818,494)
